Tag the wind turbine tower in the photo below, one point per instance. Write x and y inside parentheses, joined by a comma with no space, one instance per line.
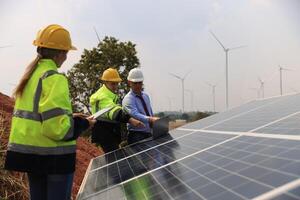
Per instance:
(280,73)
(226,50)
(213,94)
(97,34)
(192,98)
(182,84)
(262,87)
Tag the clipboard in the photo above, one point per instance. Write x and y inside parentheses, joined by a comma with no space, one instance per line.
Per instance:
(101,112)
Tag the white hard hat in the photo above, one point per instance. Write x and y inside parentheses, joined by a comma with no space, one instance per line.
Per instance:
(135,75)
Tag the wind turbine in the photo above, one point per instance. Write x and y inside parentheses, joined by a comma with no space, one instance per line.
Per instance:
(262,87)
(280,72)
(226,50)
(213,86)
(182,83)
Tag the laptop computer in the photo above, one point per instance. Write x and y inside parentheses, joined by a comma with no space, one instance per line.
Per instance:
(160,128)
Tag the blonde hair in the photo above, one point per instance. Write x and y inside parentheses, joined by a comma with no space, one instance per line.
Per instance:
(26,76)
(42,53)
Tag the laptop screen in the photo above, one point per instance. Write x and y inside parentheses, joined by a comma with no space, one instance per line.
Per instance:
(160,127)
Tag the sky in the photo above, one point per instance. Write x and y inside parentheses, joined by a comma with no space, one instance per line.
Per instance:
(172,36)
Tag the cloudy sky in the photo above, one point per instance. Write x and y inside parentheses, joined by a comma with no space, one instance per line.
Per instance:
(172,36)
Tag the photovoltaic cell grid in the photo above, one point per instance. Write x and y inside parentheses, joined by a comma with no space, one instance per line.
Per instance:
(259,117)
(127,151)
(288,126)
(107,176)
(188,166)
(234,112)
(243,168)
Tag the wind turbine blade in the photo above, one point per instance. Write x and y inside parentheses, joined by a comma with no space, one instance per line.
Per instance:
(218,40)
(286,69)
(217,83)
(175,76)
(97,34)
(211,85)
(187,74)
(5,46)
(238,47)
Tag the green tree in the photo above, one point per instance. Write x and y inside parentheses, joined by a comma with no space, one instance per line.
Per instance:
(161,114)
(185,116)
(84,76)
(200,115)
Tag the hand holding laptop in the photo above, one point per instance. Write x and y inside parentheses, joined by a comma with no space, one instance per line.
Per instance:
(152,120)
(136,123)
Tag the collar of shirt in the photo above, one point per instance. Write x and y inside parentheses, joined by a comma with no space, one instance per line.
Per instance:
(135,94)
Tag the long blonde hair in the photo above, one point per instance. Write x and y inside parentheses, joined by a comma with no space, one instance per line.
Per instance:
(45,53)
(26,76)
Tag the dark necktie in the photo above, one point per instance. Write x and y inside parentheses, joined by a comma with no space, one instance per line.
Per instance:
(144,104)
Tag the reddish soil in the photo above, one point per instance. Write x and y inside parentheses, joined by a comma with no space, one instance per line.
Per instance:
(85,150)
(6,109)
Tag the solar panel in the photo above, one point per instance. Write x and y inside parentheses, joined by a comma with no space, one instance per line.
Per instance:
(230,114)
(263,115)
(123,153)
(288,126)
(139,161)
(258,159)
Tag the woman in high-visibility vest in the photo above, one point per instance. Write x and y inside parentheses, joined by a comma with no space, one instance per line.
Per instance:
(107,131)
(43,133)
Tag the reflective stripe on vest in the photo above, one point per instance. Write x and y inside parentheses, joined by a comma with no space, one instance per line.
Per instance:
(40,116)
(97,106)
(61,150)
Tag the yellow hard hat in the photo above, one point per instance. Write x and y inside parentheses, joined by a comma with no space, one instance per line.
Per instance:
(54,37)
(111,75)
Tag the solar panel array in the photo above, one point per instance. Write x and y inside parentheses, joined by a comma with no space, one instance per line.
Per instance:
(248,152)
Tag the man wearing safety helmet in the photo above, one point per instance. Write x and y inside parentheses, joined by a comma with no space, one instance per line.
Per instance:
(137,104)
(107,130)
(43,132)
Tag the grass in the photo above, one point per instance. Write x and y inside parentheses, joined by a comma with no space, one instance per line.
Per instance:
(13,184)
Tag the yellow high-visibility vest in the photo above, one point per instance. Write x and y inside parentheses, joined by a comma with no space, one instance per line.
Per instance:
(42,121)
(104,98)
